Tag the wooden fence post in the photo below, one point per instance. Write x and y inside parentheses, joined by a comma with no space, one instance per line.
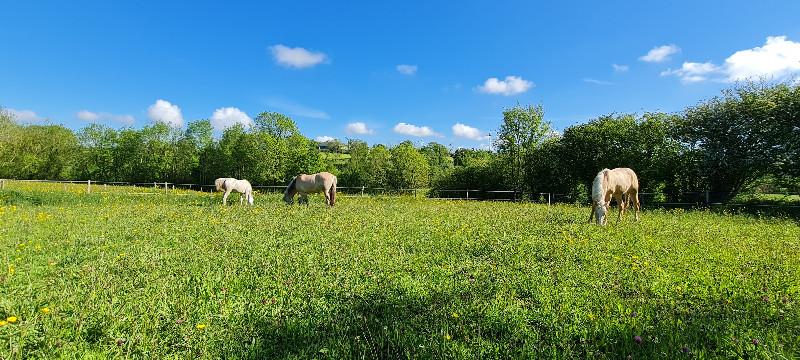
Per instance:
(2,184)
(166,187)
(88,186)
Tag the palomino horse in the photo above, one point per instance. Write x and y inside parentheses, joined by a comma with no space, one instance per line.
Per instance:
(303,184)
(230,184)
(618,183)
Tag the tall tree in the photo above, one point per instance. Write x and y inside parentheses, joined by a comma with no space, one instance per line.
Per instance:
(380,162)
(523,130)
(409,167)
(440,162)
(276,124)
(742,135)
(356,171)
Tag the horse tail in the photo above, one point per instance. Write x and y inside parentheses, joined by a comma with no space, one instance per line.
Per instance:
(332,192)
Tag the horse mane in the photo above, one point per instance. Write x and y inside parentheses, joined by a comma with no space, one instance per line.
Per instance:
(599,185)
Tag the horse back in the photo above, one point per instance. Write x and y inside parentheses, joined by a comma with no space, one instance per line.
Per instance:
(625,179)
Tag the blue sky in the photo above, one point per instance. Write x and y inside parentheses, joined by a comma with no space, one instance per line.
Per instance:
(330,64)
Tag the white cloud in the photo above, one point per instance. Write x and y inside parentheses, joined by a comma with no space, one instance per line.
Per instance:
(92,116)
(297,109)
(358,128)
(164,111)
(778,59)
(87,115)
(407,69)
(413,130)
(620,68)
(691,72)
(296,57)
(324,138)
(512,85)
(597,82)
(25,116)
(660,53)
(226,117)
(468,132)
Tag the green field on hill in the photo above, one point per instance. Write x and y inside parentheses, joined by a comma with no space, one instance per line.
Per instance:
(131,272)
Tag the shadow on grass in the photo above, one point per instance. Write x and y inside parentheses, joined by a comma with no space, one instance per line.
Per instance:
(394,324)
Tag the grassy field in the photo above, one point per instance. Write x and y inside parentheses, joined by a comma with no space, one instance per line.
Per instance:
(154,275)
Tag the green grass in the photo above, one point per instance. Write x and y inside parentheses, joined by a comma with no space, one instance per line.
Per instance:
(138,275)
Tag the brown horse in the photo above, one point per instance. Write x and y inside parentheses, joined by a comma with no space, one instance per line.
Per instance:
(303,184)
(619,183)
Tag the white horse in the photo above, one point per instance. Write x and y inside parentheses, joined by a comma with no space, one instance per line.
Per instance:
(303,184)
(230,184)
(617,183)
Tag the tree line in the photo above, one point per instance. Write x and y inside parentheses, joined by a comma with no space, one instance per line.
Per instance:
(747,136)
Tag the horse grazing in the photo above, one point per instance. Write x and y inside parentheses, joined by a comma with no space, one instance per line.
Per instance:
(230,184)
(303,184)
(618,183)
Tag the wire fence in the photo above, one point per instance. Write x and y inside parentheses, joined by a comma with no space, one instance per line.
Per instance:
(94,186)
(706,199)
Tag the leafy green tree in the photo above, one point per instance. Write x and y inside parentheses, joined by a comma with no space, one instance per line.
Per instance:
(276,124)
(409,167)
(642,143)
(439,160)
(356,171)
(303,155)
(748,132)
(9,133)
(472,157)
(96,161)
(378,169)
(200,135)
(523,130)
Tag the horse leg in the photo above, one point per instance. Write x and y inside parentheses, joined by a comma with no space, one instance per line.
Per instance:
(327,197)
(636,204)
(225,197)
(621,201)
(591,214)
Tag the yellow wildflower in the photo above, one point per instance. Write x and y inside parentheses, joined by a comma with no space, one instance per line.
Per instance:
(45,310)
(3,323)
(12,319)
(455,315)
(447,337)
(11,269)
(200,326)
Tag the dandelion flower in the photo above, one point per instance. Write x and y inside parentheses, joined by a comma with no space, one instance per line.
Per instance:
(455,315)
(3,323)
(11,319)
(447,337)
(200,326)
(45,310)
